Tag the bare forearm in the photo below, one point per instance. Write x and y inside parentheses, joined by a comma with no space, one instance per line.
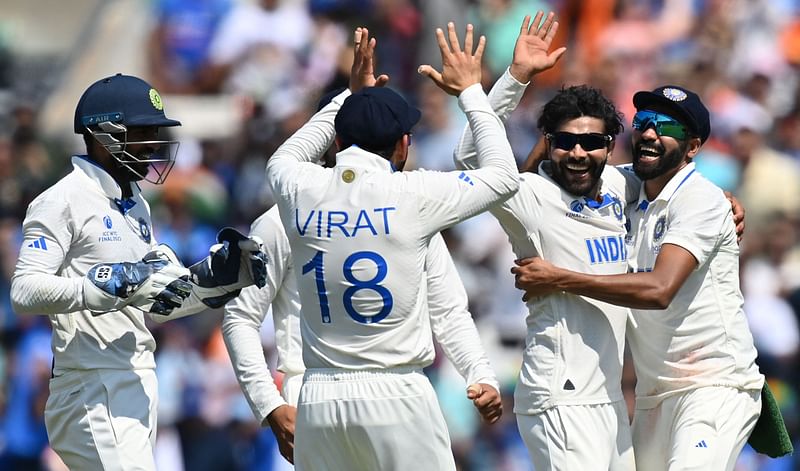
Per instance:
(635,290)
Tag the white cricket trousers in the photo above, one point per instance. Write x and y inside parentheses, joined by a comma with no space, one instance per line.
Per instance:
(592,437)
(103,419)
(376,420)
(703,429)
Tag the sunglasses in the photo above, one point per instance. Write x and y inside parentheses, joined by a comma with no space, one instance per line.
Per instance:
(589,141)
(663,124)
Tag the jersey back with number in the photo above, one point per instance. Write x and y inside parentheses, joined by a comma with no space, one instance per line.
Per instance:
(359,252)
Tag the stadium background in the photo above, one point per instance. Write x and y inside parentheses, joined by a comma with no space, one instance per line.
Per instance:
(240,91)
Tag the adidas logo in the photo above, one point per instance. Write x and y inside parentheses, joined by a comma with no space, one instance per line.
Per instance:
(465,177)
(701,444)
(38,244)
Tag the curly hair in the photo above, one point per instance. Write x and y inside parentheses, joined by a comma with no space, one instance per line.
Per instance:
(576,101)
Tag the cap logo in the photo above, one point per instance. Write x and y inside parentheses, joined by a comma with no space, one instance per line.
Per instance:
(155,99)
(674,94)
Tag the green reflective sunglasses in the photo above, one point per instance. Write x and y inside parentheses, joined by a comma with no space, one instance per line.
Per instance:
(664,125)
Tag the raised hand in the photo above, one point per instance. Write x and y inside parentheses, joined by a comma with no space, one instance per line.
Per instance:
(533,42)
(460,68)
(487,400)
(362,73)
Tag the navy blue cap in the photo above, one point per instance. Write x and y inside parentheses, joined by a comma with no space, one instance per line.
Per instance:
(122,99)
(685,105)
(374,118)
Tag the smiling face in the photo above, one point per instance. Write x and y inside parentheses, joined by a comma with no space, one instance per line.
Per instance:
(657,155)
(578,170)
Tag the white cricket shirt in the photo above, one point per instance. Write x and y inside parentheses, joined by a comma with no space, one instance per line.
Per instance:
(450,320)
(359,235)
(574,345)
(71,226)
(245,314)
(702,338)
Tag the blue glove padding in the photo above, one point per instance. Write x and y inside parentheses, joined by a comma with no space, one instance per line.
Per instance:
(235,262)
(155,284)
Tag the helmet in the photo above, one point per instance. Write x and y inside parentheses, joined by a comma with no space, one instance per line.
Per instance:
(110,106)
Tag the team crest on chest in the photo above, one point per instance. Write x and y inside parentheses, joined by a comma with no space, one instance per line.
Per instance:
(107,221)
(576,206)
(617,208)
(144,230)
(660,229)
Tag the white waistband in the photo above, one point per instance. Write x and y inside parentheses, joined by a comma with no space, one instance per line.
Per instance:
(339,374)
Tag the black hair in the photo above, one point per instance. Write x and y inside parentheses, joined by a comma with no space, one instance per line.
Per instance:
(576,101)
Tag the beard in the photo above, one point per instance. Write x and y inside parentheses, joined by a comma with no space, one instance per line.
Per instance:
(665,162)
(578,185)
(133,169)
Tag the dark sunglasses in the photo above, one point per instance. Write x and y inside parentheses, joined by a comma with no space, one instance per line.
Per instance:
(663,124)
(589,141)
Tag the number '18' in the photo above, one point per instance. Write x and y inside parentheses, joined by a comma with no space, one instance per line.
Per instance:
(317,264)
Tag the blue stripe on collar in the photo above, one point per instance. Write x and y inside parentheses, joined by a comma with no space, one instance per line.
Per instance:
(124,205)
(594,204)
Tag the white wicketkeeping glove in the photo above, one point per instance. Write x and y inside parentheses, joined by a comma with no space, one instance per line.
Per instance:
(156,284)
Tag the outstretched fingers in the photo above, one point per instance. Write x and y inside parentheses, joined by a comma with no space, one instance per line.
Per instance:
(544,30)
(534,25)
(444,48)
(451,33)
(526,23)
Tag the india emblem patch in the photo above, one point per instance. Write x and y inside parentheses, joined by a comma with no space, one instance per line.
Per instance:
(660,229)
(155,99)
(674,94)
(144,230)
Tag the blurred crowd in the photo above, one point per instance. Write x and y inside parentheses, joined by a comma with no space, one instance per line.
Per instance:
(277,57)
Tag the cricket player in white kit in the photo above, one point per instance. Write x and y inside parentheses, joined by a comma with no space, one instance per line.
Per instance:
(359,235)
(698,386)
(568,400)
(101,412)
(450,323)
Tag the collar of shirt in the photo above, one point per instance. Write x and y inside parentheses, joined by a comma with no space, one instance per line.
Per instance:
(106,183)
(669,190)
(356,157)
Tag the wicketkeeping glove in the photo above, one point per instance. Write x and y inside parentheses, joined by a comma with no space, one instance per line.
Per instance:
(155,284)
(235,262)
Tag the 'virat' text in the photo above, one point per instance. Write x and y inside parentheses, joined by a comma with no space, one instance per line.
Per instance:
(326,223)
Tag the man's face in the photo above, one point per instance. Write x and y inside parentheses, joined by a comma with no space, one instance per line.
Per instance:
(579,150)
(655,155)
(141,151)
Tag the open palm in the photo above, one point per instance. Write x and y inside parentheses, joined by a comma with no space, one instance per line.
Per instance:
(531,54)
